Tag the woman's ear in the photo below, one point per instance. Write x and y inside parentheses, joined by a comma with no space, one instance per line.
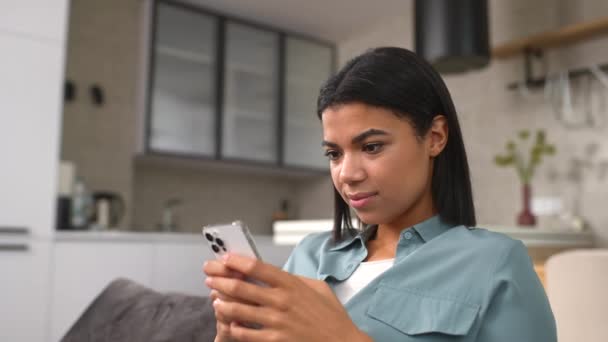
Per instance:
(438,135)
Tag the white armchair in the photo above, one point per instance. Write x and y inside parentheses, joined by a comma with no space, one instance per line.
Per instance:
(577,287)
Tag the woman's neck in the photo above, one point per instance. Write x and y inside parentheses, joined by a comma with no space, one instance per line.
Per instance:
(386,238)
(391,230)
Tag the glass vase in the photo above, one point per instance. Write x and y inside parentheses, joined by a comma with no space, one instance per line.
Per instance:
(526,218)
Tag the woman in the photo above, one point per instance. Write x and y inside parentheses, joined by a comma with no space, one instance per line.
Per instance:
(418,270)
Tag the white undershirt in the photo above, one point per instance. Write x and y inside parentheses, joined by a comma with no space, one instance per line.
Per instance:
(363,275)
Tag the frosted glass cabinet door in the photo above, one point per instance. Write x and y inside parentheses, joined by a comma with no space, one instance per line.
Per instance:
(250,94)
(308,65)
(182,107)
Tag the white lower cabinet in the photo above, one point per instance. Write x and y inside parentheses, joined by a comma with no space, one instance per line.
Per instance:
(84,269)
(179,268)
(24,291)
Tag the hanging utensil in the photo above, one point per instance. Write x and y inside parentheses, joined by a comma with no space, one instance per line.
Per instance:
(599,74)
(598,97)
(586,93)
(563,104)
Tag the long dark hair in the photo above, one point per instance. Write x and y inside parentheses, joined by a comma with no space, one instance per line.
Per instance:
(399,80)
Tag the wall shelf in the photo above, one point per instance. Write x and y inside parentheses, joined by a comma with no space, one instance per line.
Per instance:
(564,36)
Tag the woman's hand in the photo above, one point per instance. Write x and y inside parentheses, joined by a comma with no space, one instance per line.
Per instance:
(290,308)
(218,269)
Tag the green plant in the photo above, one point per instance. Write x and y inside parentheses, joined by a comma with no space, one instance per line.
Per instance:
(515,156)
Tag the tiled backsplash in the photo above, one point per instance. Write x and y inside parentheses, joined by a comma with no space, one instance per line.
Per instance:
(207,197)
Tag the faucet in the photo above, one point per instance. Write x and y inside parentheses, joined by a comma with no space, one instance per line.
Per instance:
(169,221)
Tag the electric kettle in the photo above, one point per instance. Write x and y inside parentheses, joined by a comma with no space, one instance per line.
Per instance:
(108,209)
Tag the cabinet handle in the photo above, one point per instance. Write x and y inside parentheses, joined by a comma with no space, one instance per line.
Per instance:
(14,231)
(14,248)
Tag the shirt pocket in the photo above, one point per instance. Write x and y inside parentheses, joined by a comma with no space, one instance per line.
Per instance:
(415,313)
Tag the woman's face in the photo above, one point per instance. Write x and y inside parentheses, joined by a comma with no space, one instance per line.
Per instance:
(379,165)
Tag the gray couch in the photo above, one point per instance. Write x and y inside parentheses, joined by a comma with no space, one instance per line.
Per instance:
(128,312)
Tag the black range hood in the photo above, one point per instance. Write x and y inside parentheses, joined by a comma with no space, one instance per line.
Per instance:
(453,34)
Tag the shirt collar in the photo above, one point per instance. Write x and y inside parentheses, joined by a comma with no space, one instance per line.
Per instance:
(431,228)
(352,235)
(427,229)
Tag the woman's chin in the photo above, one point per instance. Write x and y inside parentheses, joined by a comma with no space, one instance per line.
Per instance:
(369,218)
(375,217)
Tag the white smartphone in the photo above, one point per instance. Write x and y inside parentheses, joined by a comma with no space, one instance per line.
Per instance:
(233,238)
(230,238)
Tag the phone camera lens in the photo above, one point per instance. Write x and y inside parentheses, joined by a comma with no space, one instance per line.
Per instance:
(215,248)
(220,242)
(209,236)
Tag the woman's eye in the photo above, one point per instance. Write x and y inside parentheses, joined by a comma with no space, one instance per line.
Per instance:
(372,147)
(332,155)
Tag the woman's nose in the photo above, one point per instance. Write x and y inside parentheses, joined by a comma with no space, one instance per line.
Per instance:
(352,170)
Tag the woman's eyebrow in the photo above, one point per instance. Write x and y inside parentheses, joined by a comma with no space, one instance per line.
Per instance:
(359,138)
(370,132)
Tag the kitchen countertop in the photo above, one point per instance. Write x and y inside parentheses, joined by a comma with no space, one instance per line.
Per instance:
(137,236)
(290,232)
(270,251)
(546,237)
(541,242)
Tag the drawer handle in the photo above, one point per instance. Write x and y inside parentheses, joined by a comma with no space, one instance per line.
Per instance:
(14,231)
(14,248)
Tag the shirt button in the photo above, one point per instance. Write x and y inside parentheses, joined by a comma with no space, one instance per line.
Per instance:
(407,235)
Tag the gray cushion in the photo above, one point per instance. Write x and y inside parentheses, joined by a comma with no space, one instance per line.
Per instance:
(126,311)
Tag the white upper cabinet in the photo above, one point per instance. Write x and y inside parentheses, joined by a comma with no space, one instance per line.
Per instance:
(30,114)
(44,19)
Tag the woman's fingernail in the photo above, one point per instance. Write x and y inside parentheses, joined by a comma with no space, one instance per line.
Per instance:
(225,257)
(208,281)
(217,302)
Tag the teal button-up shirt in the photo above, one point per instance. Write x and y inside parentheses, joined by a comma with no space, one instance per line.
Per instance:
(447,284)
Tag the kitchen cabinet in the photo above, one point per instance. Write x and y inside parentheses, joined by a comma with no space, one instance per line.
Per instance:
(86,262)
(308,64)
(178,267)
(41,19)
(24,290)
(182,97)
(84,268)
(224,89)
(32,36)
(29,133)
(250,94)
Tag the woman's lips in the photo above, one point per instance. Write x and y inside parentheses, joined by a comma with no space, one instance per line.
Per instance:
(359,201)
